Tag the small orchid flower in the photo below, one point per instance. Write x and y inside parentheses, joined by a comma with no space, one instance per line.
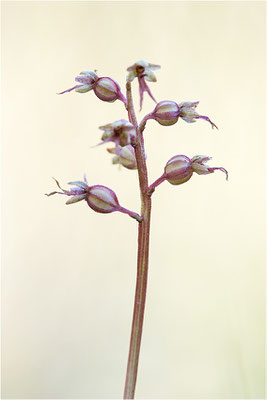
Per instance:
(105,88)
(188,113)
(143,71)
(168,112)
(179,169)
(121,132)
(99,198)
(87,80)
(79,191)
(198,166)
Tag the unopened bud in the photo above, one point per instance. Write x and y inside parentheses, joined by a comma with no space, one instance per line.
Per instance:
(127,157)
(166,112)
(102,199)
(107,89)
(178,170)
(124,156)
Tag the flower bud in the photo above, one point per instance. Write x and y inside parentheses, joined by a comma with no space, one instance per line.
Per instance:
(178,170)
(124,156)
(166,112)
(127,158)
(107,89)
(102,199)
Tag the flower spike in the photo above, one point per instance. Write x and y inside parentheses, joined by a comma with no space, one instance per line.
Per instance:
(143,71)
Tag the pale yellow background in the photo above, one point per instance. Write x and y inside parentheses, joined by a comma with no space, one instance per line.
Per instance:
(69,273)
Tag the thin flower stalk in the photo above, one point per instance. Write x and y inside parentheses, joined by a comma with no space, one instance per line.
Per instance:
(142,257)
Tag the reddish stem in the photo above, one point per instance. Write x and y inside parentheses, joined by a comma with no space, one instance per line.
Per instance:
(157,182)
(142,256)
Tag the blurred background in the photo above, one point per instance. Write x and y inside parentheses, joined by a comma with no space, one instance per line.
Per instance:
(68,274)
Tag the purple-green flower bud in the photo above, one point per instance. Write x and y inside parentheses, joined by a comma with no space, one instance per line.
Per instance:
(178,170)
(166,112)
(126,157)
(107,89)
(102,199)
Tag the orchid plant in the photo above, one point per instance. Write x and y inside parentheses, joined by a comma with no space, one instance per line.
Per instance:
(127,139)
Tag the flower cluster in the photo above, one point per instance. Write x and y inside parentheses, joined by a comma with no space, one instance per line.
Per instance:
(123,135)
(128,150)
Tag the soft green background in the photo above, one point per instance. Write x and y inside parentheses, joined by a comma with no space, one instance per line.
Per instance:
(69,273)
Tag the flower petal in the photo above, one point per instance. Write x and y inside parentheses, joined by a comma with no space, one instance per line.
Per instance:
(92,74)
(131,75)
(79,184)
(69,90)
(77,198)
(150,76)
(153,66)
(84,88)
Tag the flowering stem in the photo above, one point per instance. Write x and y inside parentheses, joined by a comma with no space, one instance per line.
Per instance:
(142,256)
